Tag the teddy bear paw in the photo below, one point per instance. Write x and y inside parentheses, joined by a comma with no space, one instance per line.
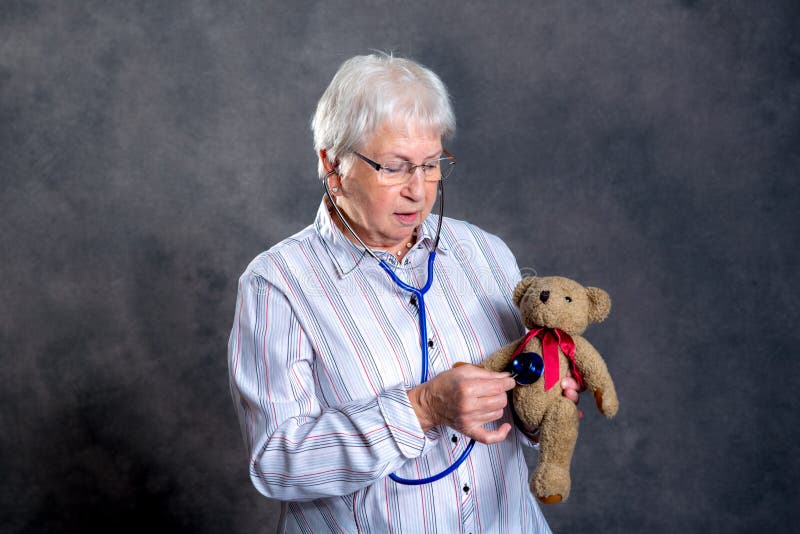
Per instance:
(607,405)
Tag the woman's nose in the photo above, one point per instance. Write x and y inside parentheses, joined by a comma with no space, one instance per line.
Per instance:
(416,183)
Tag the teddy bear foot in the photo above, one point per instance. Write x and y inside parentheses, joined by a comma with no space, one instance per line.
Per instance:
(550,499)
(550,484)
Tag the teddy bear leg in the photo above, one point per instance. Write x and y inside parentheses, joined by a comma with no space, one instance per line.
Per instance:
(550,482)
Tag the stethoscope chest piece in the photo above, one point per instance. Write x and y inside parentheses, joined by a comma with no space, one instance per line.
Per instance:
(526,368)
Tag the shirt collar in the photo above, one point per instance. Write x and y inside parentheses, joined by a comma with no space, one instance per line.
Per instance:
(346,255)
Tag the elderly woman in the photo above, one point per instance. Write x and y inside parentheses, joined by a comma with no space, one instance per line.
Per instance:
(346,335)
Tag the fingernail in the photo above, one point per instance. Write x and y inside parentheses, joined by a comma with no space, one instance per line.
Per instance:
(564,383)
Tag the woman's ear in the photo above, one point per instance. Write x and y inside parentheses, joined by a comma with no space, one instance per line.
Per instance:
(331,171)
(327,164)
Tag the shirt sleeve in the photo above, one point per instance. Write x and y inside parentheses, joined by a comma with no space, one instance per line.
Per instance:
(298,449)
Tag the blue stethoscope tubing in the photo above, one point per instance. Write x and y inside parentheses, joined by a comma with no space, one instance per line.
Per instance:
(419,293)
(423,337)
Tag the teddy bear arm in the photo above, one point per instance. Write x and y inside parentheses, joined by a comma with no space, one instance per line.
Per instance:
(500,359)
(595,374)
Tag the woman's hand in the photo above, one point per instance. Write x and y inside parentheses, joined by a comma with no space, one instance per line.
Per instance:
(464,398)
(571,391)
(467,397)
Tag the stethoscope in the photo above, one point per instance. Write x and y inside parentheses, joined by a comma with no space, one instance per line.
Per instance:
(419,293)
(526,367)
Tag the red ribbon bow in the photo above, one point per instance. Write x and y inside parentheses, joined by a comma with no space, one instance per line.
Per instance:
(552,339)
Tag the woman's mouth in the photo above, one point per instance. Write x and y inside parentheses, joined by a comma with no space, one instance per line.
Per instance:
(407,218)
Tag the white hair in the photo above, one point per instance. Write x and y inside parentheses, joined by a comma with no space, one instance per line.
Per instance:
(366,92)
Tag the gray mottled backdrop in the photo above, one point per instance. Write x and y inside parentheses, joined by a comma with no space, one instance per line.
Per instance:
(148,150)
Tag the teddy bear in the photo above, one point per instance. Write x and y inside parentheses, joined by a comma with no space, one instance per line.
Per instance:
(556,310)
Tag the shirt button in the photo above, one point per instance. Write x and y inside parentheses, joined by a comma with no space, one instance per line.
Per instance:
(430,343)
(454,439)
(413,301)
(465,488)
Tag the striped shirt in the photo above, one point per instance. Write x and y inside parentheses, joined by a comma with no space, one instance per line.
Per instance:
(322,351)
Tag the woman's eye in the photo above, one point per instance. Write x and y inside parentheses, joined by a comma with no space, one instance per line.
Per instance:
(393,167)
(569,299)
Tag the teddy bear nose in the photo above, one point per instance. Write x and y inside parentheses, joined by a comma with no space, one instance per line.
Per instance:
(544,295)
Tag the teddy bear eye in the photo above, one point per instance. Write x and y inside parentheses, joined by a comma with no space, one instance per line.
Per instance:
(569,299)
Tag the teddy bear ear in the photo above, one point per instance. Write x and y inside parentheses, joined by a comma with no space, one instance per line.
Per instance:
(522,288)
(600,304)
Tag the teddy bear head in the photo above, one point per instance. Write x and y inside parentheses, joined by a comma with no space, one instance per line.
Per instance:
(558,302)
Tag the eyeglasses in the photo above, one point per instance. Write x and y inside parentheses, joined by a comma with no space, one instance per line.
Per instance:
(400,171)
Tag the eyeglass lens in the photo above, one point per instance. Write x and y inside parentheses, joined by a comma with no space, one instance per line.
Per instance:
(402,171)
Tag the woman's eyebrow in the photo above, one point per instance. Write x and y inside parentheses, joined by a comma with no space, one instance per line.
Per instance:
(399,155)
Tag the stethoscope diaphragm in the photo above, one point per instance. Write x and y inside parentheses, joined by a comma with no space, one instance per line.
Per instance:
(526,368)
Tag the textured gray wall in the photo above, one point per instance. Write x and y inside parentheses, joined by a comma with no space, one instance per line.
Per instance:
(148,150)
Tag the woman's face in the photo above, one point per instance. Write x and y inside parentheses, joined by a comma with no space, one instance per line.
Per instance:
(386,216)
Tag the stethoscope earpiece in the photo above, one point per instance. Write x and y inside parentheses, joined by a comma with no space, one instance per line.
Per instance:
(526,368)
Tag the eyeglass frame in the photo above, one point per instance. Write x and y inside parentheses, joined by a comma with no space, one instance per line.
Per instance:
(378,167)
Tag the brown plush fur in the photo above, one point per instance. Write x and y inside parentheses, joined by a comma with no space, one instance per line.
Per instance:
(567,305)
